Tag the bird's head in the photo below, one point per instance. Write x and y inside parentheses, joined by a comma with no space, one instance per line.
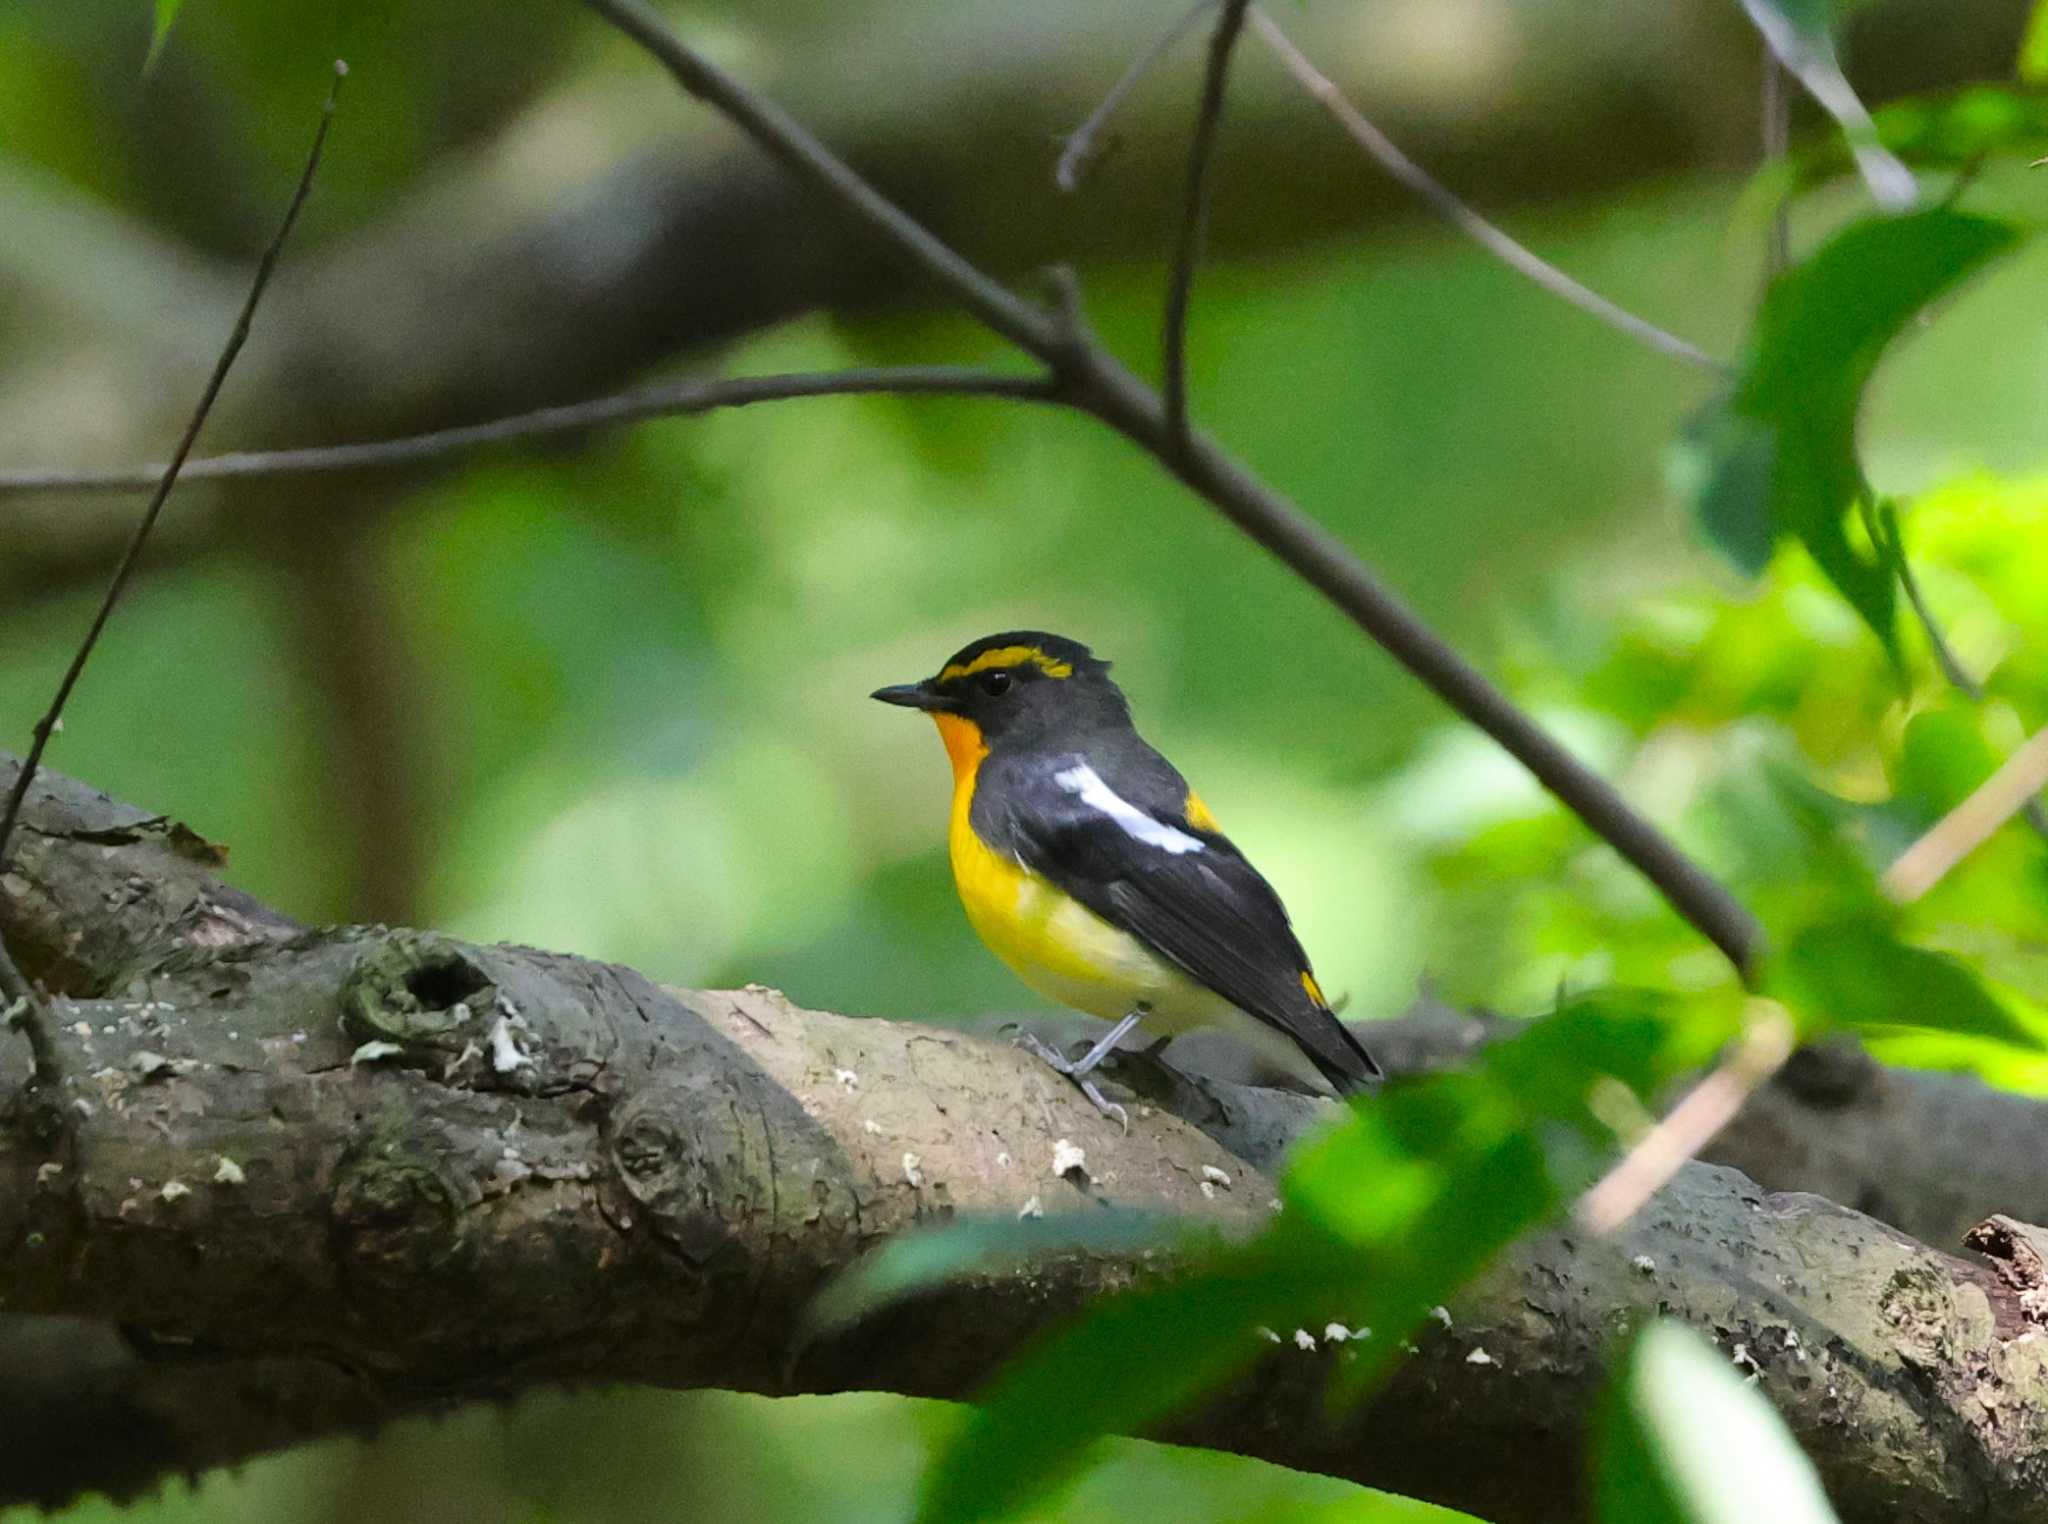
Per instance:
(1019,688)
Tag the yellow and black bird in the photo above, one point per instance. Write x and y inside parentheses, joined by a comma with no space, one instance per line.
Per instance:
(1089,866)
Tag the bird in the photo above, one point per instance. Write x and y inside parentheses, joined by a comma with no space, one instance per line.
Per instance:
(1087,864)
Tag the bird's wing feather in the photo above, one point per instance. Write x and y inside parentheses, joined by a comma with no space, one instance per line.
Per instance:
(1186,892)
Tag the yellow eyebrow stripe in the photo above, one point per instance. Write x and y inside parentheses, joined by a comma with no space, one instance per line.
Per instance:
(1008,656)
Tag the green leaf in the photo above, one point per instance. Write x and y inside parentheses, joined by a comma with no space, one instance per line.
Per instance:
(2033,60)
(1800,33)
(930,1257)
(160,29)
(1777,456)
(1722,463)
(1683,1440)
(1855,973)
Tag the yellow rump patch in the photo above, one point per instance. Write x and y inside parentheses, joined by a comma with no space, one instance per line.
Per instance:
(1315,990)
(1009,656)
(1198,814)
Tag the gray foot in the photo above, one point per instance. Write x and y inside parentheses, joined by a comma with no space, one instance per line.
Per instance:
(1058,1060)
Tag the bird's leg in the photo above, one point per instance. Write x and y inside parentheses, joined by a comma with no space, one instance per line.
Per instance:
(1078,1070)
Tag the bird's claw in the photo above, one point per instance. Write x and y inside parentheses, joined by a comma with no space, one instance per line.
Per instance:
(1058,1061)
(1107,1107)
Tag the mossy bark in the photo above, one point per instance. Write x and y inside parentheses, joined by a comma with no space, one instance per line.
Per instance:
(320,1178)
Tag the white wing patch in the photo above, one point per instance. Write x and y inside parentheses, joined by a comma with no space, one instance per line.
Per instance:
(1096,794)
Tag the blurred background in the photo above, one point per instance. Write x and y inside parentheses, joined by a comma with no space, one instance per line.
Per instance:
(609,695)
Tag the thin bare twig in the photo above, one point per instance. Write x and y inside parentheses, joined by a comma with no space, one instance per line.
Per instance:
(1970,824)
(667,400)
(47,725)
(1691,1125)
(1083,143)
(1516,256)
(1194,218)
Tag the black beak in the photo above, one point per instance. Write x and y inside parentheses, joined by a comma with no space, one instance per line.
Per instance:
(914,696)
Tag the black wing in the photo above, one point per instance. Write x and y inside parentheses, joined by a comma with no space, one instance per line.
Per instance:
(1204,907)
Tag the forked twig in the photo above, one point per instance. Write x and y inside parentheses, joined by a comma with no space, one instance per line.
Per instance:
(1091,378)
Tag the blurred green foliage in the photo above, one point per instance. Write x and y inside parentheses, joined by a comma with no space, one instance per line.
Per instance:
(854,1459)
(1788,751)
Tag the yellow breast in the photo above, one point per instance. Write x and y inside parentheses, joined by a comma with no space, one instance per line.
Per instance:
(1050,940)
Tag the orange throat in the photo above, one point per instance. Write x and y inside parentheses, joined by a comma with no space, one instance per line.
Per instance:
(964,746)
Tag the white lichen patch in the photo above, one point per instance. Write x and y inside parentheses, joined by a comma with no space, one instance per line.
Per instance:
(1267,1334)
(913,1169)
(174,1190)
(1068,1156)
(1335,1333)
(507,1052)
(1003,1160)
(1304,1340)
(1442,1315)
(1214,1176)
(1480,1357)
(1209,1189)
(1032,1207)
(227,1172)
(46,1173)
(847,1078)
(371,1052)
(872,1127)
(1642,1264)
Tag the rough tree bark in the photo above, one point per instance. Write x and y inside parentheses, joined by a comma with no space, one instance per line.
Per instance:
(320,1178)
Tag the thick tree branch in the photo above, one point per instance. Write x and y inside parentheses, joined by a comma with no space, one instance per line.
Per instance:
(326,1178)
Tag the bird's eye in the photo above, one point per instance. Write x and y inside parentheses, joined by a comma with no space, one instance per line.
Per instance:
(995,684)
